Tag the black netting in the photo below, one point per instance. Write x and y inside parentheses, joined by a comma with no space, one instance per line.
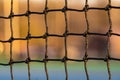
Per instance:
(64,10)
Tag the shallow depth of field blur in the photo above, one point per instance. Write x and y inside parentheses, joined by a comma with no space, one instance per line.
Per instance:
(97,45)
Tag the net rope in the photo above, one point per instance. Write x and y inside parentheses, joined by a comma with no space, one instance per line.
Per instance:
(46,10)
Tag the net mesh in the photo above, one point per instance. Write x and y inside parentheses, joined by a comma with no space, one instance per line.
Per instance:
(64,10)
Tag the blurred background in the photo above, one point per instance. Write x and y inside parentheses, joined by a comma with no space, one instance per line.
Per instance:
(98,20)
(97,45)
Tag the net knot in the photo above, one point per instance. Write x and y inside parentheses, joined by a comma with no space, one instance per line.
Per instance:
(64,59)
(11,39)
(45,35)
(86,8)
(64,9)
(107,7)
(65,34)
(85,34)
(109,33)
(46,56)
(85,58)
(11,61)
(27,13)
(45,60)
(27,60)
(107,58)
(11,15)
(28,36)
(45,10)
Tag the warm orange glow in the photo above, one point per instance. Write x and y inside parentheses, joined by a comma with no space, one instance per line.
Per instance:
(1,48)
(56,24)
(15,24)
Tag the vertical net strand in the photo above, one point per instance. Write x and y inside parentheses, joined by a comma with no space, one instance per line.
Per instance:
(28,35)
(11,30)
(46,40)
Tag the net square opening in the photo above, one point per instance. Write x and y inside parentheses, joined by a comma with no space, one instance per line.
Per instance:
(76,70)
(5,31)
(115,2)
(98,3)
(97,70)
(97,46)
(37,5)
(115,69)
(20,27)
(5,6)
(5,72)
(76,4)
(56,4)
(97,23)
(56,70)
(76,22)
(18,70)
(75,47)
(4,52)
(115,20)
(115,46)
(37,25)
(19,50)
(37,71)
(37,49)
(19,6)
(56,22)
(56,48)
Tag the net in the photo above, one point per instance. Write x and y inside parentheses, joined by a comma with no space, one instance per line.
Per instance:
(67,33)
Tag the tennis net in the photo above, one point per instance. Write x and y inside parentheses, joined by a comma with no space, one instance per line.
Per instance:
(66,33)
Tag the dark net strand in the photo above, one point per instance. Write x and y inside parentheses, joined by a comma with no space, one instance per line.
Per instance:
(11,70)
(65,39)
(86,40)
(28,33)
(108,40)
(46,39)
(46,10)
